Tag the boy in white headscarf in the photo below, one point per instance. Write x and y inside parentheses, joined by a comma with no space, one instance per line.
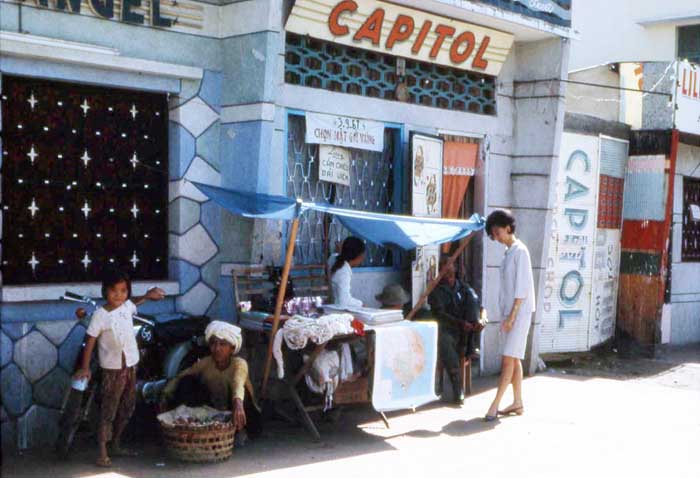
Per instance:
(218,379)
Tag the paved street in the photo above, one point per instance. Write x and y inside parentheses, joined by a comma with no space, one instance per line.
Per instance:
(575,425)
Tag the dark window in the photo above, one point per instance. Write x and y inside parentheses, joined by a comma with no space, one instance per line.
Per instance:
(84,182)
(691,220)
(329,66)
(371,189)
(689,43)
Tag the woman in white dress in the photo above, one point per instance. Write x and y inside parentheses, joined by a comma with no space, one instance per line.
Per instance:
(352,254)
(516,302)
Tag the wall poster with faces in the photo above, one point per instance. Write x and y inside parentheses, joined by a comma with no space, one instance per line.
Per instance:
(426,174)
(426,201)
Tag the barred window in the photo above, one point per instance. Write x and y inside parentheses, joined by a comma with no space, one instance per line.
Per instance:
(371,189)
(690,251)
(330,66)
(84,182)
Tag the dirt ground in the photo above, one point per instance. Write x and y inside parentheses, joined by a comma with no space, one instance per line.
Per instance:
(597,415)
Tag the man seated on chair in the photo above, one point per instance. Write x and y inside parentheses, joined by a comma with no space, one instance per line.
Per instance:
(218,380)
(456,307)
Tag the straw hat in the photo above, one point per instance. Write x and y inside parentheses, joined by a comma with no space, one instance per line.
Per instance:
(393,295)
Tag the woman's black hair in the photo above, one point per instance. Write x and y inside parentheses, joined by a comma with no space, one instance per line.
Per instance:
(352,248)
(500,218)
(113,277)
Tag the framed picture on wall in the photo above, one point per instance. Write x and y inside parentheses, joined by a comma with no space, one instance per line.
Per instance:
(426,175)
(426,201)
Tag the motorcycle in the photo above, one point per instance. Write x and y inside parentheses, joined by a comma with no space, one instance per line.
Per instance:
(167,345)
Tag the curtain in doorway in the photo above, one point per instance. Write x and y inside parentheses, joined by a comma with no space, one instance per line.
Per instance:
(459,163)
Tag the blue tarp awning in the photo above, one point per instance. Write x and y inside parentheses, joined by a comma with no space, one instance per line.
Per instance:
(407,232)
(254,205)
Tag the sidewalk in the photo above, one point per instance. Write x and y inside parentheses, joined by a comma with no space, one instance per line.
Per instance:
(574,425)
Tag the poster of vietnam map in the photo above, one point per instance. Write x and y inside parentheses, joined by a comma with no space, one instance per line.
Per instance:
(404,366)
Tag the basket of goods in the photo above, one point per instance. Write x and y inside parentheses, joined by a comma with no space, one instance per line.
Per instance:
(200,435)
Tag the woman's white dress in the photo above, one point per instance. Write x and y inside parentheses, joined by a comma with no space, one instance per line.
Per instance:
(517,283)
(341,282)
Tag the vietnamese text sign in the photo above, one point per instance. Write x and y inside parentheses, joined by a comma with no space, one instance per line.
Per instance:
(687,117)
(567,290)
(334,164)
(606,273)
(396,30)
(344,131)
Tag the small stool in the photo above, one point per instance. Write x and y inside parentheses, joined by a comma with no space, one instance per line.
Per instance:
(465,377)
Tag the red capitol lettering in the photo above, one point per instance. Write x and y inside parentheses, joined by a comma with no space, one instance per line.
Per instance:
(461,48)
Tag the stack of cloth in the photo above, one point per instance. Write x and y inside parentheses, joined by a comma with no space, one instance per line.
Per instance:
(369,316)
(299,330)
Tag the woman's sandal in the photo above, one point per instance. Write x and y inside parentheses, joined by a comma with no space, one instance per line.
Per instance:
(490,418)
(514,411)
(104,462)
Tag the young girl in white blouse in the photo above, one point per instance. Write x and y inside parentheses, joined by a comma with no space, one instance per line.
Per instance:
(352,254)
(111,329)
(516,303)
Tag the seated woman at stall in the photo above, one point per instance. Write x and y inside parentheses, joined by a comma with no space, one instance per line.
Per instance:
(218,380)
(352,254)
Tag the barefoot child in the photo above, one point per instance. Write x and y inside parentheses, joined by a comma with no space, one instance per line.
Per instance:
(111,326)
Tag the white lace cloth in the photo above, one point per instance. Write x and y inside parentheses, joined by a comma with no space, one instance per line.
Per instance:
(298,330)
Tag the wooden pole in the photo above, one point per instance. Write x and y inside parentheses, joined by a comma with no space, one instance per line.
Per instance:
(434,283)
(280,301)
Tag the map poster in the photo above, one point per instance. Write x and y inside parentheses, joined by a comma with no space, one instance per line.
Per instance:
(405,356)
(334,164)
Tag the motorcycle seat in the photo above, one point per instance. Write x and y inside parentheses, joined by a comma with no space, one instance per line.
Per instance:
(181,329)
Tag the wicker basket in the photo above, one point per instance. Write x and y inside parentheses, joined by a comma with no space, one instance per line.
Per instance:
(200,444)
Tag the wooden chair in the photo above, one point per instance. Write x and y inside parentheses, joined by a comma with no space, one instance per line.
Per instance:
(465,369)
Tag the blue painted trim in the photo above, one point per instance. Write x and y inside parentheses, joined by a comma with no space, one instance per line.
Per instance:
(18,312)
(81,74)
(361,270)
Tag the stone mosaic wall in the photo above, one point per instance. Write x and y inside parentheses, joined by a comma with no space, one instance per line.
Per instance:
(195,223)
(37,359)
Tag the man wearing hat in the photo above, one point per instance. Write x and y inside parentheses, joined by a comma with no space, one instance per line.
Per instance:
(393,297)
(457,308)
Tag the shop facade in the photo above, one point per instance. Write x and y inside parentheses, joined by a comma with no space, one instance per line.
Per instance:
(654,108)
(240,84)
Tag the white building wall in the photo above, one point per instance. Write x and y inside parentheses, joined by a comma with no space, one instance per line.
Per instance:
(635,37)
(521,143)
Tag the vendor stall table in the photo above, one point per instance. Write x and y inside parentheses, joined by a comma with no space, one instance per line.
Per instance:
(403,231)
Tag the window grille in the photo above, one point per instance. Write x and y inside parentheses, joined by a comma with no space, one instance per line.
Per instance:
(330,66)
(371,189)
(690,251)
(84,182)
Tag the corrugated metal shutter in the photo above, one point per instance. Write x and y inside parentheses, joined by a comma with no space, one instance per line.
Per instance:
(613,157)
